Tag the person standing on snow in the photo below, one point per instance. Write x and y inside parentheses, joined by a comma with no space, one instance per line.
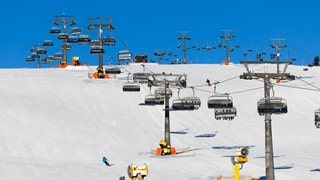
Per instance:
(105,161)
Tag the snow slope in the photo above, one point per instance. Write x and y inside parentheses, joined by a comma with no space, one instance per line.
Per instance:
(58,123)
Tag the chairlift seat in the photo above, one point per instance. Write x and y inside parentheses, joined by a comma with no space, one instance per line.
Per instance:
(154,99)
(186,103)
(225,113)
(130,86)
(161,91)
(112,70)
(273,105)
(220,101)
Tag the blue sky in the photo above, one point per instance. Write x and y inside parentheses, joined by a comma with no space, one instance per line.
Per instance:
(146,26)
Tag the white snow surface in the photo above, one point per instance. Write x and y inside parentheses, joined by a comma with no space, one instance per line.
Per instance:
(58,124)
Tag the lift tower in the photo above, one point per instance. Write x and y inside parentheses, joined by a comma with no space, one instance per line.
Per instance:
(278,44)
(100,24)
(227,35)
(64,21)
(183,37)
(269,107)
(166,80)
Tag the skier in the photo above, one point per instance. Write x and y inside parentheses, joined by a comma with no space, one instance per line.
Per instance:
(208,82)
(105,161)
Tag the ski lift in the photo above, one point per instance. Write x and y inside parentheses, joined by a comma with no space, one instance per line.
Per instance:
(29,59)
(62,36)
(75,30)
(47,43)
(220,101)
(272,105)
(131,86)
(186,103)
(72,39)
(55,30)
(96,50)
(124,55)
(83,38)
(109,40)
(35,55)
(112,70)
(58,56)
(225,113)
(67,46)
(161,91)
(154,99)
(141,77)
(317,118)
(41,51)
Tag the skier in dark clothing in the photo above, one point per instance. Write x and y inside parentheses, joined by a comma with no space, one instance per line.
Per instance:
(105,161)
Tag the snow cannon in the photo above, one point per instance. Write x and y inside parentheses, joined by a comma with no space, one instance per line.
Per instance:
(241,156)
(165,149)
(137,172)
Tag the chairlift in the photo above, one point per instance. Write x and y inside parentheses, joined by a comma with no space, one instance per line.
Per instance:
(112,70)
(317,118)
(75,30)
(220,101)
(63,36)
(96,50)
(29,59)
(109,40)
(83,38)
(72,39)
(47,43)
(161,91)
(58,56)
(67,46)
(35,55)
(154,99)
(272,105)
(55,30)
(41,51)
(225,113)
(186,103)
(131,86)
(124,55)
(141,77)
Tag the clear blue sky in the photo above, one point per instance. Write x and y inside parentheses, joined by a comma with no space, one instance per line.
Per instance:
(147,25)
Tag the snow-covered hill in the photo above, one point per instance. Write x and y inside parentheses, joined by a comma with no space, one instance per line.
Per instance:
(58,124)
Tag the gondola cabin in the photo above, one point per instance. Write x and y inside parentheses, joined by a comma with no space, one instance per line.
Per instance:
(220,101)
(153,99)
(131,86)
(272,105)
(317,118)
(186,103)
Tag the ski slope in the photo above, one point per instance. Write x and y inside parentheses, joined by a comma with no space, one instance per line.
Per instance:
(58,124)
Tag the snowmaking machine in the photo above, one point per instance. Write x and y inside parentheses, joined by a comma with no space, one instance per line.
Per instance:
(137,172)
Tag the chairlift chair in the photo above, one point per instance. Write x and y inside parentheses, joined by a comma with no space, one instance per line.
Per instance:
(41,51)
(124,55)
(225,113)
(96,50)
(161,91)
(30,59)
(47,43)
(75,30)
(154,99)
(112,70)
(83,38)
(272,105)
(131,86)
(55,30)
(186,103)
(72,39)
(35,55)
(141,77)
(109,40)
(63,36)
(220,101)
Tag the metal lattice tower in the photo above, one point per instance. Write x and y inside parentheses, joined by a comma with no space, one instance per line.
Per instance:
(65,21)
(100,24)
(227,35)
(278,44)
(183,37)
